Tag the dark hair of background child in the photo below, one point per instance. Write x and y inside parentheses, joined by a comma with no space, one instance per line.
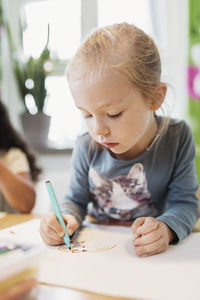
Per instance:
(9,138)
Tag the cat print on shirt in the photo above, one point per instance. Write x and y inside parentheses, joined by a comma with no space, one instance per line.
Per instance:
(124,197)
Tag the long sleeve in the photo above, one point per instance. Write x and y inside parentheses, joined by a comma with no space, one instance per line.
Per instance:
(78,195)
(182,212)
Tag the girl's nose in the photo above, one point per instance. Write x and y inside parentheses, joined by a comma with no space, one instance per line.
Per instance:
(101,129)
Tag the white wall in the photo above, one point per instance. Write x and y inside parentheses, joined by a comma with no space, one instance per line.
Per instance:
(174,52)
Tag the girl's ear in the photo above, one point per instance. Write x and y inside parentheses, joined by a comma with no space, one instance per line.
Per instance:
(158,96)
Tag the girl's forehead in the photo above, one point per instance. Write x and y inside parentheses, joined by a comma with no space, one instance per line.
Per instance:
(103,93)
(106,90)
(109,85)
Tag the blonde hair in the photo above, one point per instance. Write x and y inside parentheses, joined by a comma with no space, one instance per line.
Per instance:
(121,49)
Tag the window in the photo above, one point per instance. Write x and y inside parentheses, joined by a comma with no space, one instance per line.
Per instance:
(67,26)
(131,11)
(64,19)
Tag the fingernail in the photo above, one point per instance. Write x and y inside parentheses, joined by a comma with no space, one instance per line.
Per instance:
(70,231)
(136,236)
(61,233)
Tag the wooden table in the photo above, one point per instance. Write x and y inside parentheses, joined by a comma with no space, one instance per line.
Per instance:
(43,291)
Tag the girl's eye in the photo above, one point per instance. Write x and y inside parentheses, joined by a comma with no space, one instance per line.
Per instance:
(115,116)
(87,116)
(108,115)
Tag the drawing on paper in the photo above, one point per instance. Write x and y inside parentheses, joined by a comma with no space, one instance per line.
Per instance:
(88,246)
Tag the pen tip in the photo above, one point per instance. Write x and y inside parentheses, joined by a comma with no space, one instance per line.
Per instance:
(70,248)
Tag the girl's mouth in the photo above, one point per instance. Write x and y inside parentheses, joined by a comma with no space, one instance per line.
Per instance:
(110,145)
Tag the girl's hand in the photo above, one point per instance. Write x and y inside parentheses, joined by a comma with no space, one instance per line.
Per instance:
(151,236)
(52,232)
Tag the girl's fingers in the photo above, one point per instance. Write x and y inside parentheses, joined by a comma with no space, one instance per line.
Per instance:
(148,238)
(51,233)
(154,242)
(52,222)
(150,249)
(48,240)
(71,223)
(153,253)
(137,223)
(149,225)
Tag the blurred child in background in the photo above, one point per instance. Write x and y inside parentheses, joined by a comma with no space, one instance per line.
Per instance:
(18,170)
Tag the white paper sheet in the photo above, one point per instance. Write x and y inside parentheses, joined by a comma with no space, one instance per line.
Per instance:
(174,274)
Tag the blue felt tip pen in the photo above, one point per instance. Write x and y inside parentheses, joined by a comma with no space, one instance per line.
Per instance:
(57,211)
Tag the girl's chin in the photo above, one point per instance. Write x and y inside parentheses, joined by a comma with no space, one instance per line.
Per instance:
(118,151)
(125,154)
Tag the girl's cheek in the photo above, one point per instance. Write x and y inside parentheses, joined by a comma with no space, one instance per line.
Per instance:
(90,129)
(90,126)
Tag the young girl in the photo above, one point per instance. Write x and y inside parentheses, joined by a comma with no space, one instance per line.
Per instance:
(133,167)
(17,169)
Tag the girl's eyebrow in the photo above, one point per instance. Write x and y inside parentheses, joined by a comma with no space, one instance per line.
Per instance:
(109,103)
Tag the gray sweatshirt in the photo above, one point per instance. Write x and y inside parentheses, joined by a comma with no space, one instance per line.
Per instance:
(160,182)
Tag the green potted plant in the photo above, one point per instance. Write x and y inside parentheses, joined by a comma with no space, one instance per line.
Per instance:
(30,74)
